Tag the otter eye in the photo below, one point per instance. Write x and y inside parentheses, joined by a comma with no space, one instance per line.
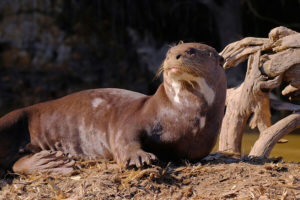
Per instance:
(178,56)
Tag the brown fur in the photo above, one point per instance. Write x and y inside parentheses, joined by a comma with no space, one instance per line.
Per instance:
(129,127)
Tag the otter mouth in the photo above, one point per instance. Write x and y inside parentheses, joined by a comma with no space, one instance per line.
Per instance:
(174,69)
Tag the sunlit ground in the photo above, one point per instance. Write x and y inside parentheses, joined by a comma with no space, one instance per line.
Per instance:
(290,151)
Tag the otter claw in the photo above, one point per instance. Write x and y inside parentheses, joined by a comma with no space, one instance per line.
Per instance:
(140,159)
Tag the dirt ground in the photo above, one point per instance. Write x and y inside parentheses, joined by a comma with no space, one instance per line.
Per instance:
(218,176)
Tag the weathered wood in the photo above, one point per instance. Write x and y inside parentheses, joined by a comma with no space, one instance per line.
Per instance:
(270,136)
(281,62)
(292,76)
(240,56)
(241,102)
(234,122)
(290,41)
(289,89)
(280,32)
(270,61)
(236,46)
(239,51)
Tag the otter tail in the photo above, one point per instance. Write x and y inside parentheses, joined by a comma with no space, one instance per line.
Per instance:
(14,134)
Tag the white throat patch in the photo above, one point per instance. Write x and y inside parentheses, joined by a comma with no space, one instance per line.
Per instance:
(205,89)
(202,122)
(176,86)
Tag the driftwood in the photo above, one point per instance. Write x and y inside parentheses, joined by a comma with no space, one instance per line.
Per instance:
(271,62)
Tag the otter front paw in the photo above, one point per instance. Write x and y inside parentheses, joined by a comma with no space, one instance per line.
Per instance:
(139,159)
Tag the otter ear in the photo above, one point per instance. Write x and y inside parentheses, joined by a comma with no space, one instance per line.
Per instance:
(180,42)
(221,60)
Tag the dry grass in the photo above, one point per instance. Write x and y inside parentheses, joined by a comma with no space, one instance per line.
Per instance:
(219,177)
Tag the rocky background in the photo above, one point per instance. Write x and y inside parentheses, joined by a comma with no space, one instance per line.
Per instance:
(50,48)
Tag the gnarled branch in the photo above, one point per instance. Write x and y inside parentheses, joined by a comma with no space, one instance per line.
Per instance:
(270,61)
(269,137)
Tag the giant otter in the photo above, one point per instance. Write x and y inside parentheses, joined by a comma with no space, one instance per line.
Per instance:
(181,120)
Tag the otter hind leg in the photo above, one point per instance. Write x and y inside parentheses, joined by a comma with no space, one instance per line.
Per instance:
(53,162)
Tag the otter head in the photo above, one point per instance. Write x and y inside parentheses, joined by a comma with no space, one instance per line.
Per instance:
(191,59)
(195,66)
